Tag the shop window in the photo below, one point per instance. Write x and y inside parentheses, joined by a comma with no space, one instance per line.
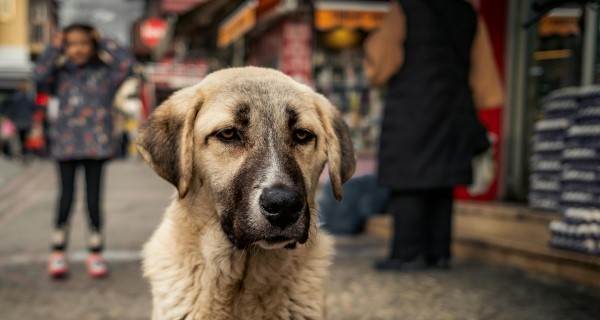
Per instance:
(340,76)
(554,61)
(556,58)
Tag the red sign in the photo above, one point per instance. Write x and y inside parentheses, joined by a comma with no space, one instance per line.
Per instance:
(152,30)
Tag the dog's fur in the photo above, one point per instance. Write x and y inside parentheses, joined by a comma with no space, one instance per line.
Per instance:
(215,256)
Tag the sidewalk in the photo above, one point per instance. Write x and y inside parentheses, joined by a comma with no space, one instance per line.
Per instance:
(135,199)
(134,196)
(9,169)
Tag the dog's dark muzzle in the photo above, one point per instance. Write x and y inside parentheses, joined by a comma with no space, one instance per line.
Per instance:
(281,205)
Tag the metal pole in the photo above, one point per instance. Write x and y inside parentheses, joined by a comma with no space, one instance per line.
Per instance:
(513,129)
(239,52)
(589,45)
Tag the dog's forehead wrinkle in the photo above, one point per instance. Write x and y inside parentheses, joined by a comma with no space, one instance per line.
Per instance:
(292,116)
(242,115)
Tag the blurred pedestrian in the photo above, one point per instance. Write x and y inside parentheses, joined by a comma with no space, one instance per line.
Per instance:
(428,52)
(83,72)
(19,109)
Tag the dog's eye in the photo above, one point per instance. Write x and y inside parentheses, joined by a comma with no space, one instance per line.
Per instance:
(229,135)
(302,136)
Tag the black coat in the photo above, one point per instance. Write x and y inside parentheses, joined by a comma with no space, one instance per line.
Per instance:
(429,129)
(19,108)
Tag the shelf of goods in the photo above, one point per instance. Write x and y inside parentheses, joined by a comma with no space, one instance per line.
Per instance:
(565,167)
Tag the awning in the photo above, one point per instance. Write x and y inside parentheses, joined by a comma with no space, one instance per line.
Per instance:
(179,6)
(237,24)
(366,15)
(14,66)
(11,77)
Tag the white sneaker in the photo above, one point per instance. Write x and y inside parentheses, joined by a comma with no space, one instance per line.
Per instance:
(58,267)
(96,266)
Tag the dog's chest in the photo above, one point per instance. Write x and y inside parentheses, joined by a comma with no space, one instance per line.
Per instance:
(224,284)
(257,296)
(264,290)
(262,301)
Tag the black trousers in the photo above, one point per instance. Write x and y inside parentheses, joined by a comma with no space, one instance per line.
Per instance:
(422,223)
(93,180)
(23,139)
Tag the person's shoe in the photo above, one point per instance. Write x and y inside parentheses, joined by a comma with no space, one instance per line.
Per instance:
(96,266)
(392,264)
(438,263)
(58,267)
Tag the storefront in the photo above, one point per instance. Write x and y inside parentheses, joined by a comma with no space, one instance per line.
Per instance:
(15,65)
(551,143)
(558,51)
(543,57)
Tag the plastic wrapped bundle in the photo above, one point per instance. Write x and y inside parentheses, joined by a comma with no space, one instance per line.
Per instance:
(548,145)
(579,229)
(580,238)
(580,177)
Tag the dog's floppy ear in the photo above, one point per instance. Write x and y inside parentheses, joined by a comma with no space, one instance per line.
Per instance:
(340,151)
(166,140)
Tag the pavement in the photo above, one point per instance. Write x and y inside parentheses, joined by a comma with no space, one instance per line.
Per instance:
(135,198)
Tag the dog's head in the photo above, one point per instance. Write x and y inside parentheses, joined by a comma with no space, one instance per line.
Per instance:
(254,141)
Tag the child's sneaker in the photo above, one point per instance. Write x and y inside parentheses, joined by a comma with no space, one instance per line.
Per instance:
(57,265)
(96,266)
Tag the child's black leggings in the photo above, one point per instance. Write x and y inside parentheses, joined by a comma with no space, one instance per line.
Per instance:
(93,180)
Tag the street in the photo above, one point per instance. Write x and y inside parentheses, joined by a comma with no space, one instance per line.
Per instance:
(134,200)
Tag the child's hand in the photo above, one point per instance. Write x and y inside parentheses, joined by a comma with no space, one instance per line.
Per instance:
(36,132)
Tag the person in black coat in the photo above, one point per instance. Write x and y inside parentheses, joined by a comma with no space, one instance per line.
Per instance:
(19,108)
(430,130)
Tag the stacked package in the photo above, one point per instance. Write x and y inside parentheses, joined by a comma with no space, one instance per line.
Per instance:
(580,178)
(548,146)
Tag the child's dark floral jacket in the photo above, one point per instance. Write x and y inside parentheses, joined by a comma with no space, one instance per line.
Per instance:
(83,128)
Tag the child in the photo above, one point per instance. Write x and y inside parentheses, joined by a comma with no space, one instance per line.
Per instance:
(83,72)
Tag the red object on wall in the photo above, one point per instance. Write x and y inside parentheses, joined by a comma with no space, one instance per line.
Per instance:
(152,30)
(494,12)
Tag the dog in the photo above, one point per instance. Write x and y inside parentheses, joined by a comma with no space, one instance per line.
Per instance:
(244,148)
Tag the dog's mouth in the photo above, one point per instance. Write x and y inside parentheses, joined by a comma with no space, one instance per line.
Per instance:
(242,234)
(277,239)
(277,242)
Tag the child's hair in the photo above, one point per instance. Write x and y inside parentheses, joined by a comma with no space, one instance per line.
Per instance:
(91,31)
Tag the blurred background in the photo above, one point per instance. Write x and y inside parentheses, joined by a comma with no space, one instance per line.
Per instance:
(526,247)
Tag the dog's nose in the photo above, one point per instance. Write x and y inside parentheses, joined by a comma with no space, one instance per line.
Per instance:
(281,205)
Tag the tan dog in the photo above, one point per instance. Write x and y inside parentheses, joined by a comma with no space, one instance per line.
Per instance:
(245,149)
